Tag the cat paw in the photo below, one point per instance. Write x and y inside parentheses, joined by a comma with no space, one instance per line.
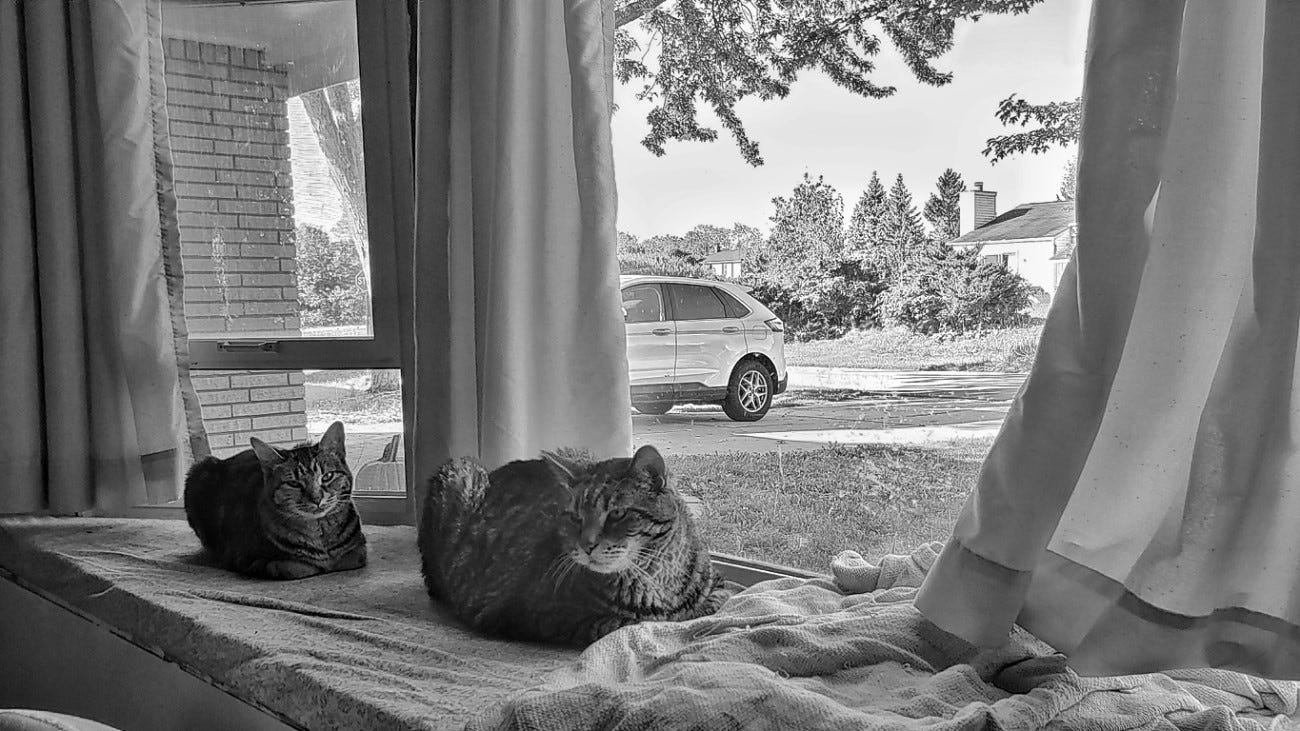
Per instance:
(354,559)
(289,570)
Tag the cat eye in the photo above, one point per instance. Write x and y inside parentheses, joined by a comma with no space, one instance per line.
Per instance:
(329,477)
(616,515)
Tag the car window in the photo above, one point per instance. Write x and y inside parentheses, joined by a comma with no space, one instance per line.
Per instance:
(695,302)
(643,303)
(733,306)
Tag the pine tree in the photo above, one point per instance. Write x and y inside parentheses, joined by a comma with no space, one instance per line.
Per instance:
(867,221)
(943,209)
(902,235)
(1068,179)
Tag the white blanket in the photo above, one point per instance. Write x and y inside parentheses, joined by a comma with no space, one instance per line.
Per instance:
(853,653)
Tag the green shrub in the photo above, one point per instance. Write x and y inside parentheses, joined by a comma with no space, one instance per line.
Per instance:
(947,290)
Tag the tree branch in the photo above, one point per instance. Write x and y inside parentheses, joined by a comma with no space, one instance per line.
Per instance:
(627,11)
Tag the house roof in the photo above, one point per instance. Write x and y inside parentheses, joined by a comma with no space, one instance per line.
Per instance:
(719,257)
(1025,221)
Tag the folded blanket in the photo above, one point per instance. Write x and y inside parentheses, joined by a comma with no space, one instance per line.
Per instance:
(853,653)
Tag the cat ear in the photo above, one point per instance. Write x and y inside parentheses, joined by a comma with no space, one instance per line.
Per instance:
(648,458)
(567,469)
(332,440)
(266,454)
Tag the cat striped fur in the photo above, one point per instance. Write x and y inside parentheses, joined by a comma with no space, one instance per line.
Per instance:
(564,549)
(279,514)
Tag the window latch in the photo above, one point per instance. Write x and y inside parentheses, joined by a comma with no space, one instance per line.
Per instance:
(244,346)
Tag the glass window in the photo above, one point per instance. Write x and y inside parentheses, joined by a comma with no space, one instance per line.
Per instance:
(643,303)
(732,305)
(695,302)
(291,310)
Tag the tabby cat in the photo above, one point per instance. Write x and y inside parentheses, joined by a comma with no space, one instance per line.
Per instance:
(279,514)
(564,549)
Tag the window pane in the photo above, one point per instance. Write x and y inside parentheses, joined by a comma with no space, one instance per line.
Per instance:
(733,306)
(286,408)
(642,303)
(265,127)
(692,302)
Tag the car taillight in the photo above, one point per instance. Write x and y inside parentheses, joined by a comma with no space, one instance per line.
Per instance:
(775,325)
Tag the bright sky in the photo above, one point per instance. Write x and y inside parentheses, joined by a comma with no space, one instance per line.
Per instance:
(824,130)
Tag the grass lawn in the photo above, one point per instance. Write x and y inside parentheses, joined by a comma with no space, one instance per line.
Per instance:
(1010,350)
(801,508)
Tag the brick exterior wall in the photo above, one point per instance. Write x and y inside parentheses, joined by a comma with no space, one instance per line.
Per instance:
(230,146)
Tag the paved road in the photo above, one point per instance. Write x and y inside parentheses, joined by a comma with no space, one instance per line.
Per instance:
(894,408)
(824,405)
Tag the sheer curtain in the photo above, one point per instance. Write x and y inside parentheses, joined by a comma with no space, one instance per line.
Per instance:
(1139,509)
(93,376)
(521,344)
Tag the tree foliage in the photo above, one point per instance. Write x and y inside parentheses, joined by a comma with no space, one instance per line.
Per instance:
(1069,177)
(943,209)
(957,291)
(331,290)
(867,221)
(902,236)
(716,53)
(807,234)
(1058,124)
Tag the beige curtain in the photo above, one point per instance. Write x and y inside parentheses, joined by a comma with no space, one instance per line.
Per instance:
(93,383)
(520,345)
(1140,509)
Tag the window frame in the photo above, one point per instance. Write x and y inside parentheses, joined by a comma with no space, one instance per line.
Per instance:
(383,40)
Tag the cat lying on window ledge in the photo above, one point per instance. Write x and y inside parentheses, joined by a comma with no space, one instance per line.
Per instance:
(278,514)
(564,549)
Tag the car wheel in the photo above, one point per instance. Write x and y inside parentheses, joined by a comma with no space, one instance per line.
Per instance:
(749,395)
(654,407)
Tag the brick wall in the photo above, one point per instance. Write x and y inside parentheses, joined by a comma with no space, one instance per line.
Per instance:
(234,190)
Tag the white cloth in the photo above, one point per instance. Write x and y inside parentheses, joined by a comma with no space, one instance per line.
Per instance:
(521,344)
(1138,510)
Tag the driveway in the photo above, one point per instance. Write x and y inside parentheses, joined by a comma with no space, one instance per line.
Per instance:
(844,406)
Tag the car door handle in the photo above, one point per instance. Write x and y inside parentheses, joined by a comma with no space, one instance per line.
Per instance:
(662,331)
(731,329)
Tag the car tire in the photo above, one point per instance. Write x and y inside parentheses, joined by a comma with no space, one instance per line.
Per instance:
(654,408)
(749,394)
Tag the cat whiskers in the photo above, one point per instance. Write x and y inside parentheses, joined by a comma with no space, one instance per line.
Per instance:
(559,570)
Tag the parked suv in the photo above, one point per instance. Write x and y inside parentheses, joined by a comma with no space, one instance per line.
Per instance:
(700,341)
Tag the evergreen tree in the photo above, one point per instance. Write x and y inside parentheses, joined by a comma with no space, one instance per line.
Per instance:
(902,235)
(807,234)
(867,221)
(943,209)
(1068,178)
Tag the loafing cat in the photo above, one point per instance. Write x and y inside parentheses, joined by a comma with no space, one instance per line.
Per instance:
(278,513)
(564,549)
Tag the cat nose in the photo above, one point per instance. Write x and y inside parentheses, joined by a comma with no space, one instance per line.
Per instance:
(588,545)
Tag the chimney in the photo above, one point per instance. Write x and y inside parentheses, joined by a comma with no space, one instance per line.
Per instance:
(978,207)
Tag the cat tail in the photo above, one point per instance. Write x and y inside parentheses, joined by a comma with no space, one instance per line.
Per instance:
(202,483)
(453,498)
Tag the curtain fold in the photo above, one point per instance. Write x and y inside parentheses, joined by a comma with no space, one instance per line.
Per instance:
(521,344)
(1138,508)
(93,373)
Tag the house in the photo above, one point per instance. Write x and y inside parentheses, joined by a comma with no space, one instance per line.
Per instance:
(724,263)
(1034,240)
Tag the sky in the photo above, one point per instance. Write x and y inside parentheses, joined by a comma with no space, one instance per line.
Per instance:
(824,130)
